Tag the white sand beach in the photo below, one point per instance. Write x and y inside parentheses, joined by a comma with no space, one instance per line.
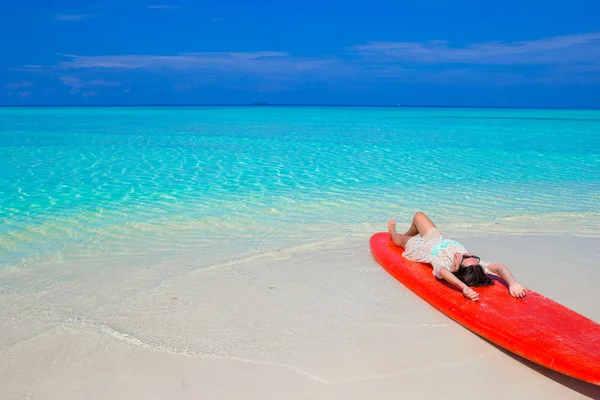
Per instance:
(318,321)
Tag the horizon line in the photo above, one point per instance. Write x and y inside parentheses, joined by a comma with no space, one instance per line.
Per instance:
(294,105)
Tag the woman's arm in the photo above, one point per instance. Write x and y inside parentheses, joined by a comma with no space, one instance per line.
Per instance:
(515,289)
(454,281)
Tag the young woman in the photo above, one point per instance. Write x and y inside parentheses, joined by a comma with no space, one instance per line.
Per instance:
(424,243)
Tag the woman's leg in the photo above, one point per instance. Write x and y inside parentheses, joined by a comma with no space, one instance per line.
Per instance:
(398,239)
(421,224)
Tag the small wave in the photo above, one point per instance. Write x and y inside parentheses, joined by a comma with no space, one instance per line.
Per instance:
(557,216)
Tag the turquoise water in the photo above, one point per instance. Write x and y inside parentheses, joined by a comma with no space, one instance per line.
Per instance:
(212,182)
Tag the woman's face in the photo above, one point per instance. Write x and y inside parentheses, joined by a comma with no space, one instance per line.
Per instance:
(466,260)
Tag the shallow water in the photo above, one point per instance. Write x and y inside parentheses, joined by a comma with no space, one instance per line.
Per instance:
(122,185)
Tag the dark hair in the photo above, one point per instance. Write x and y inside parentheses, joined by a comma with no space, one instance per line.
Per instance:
(473,276)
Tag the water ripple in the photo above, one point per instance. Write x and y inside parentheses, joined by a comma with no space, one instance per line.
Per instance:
(80,183)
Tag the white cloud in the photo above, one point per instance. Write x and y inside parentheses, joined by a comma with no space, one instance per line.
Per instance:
(78,84)
(75,17)
(581,48)
(19,85)
(163,7)
(569,58)
(261,62)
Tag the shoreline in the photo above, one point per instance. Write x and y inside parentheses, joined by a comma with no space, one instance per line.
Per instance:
(146,241)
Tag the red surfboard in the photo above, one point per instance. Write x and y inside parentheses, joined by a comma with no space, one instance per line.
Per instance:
(534,327)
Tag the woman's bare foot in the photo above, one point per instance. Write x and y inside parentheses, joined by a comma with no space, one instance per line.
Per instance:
(392,227)
(396,237)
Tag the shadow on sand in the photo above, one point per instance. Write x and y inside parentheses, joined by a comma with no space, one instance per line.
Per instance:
(584,388)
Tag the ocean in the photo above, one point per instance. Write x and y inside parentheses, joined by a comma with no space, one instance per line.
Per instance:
(131,186)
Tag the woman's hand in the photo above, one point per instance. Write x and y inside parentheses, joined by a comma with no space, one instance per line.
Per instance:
(516,290)
(470,294)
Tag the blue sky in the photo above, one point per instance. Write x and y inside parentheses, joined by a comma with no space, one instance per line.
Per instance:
(428,52)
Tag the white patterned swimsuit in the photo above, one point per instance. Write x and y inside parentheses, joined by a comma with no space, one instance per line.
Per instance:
(435,249)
